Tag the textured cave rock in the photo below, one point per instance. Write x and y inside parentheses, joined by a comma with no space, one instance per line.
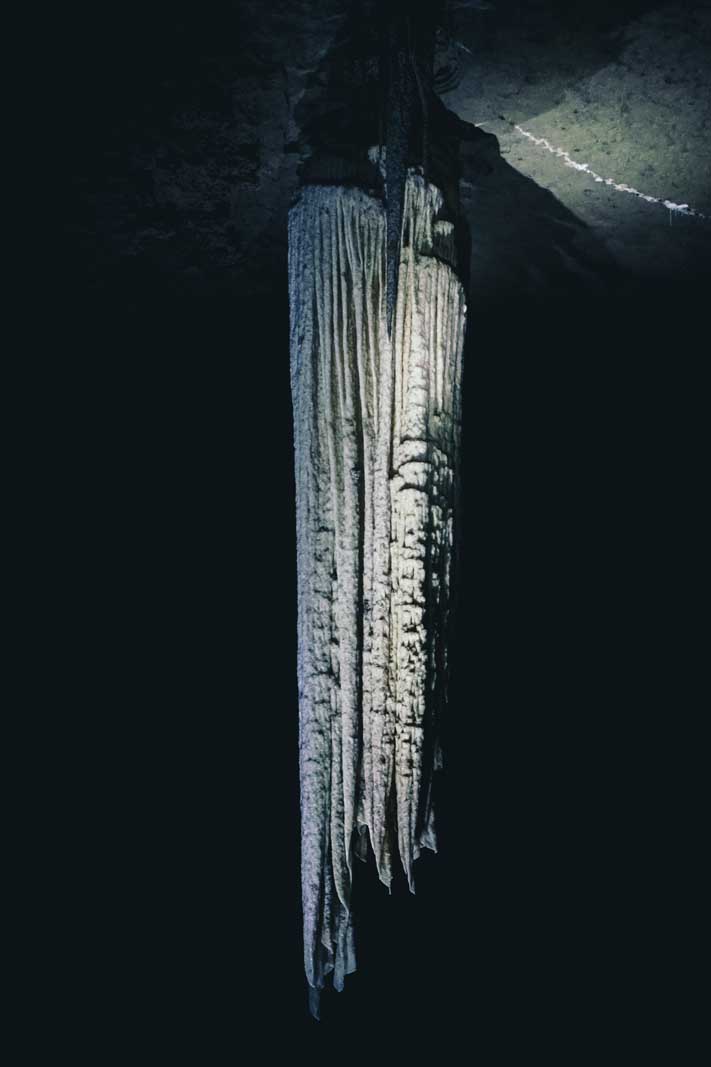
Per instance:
(377,427)
(182,161)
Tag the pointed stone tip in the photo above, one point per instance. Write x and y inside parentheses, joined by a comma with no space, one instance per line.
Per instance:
(315,1003)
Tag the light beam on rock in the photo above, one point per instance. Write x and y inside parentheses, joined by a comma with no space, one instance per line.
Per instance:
(620,187)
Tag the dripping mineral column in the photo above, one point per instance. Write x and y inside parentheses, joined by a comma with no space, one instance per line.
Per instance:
(376,435)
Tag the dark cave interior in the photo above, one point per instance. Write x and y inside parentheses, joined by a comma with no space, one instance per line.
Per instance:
(536,922)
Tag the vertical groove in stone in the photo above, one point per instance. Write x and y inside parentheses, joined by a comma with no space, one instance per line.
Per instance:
(376,436)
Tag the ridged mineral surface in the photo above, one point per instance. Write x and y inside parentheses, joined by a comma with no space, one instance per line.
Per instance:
(376,428)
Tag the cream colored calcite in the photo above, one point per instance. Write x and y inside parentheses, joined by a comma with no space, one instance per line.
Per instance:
(376,429)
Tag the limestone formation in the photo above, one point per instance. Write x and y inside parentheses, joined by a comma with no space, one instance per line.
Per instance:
(376,424)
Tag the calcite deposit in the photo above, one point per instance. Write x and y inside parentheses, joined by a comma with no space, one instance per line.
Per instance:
(376,427)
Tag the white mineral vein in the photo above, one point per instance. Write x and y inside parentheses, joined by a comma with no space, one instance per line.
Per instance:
(376,429)
(620,187)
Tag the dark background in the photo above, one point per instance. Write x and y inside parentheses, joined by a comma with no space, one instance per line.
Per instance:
(550,919)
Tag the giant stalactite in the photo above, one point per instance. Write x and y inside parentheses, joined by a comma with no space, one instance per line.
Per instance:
(377,329)
(377,424)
